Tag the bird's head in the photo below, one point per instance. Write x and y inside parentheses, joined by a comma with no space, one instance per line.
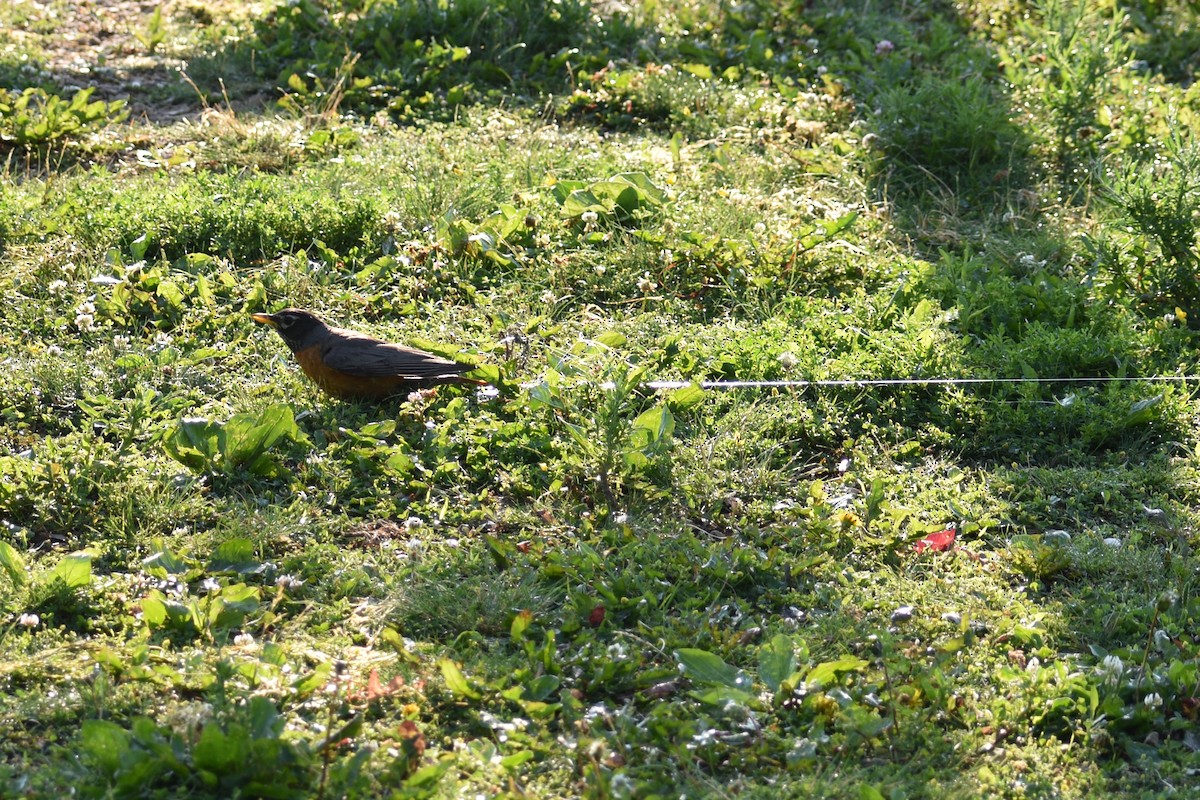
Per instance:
(298,328)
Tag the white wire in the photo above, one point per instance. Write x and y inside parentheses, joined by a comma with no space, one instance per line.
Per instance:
(801,384)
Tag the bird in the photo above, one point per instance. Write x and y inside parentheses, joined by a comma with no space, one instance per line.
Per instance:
(353,366)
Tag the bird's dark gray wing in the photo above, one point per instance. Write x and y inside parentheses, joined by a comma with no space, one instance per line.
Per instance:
(371,358)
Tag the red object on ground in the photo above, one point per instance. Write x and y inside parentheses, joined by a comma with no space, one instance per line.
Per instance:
(942,540)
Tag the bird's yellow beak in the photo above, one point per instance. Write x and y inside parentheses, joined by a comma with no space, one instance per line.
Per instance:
(265,319)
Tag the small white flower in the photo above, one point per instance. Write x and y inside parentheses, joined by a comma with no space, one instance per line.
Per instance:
(548,297)
(162,339)
(243,639)
(788,360)
(1153,700)
(412,523)
(599,269)
(667,256)
(29,620)
(760,228)
(645,284)
(54,350)
(588,217)
(393,220)
(56,287)
(120,342)
(883,46)
(1111,668)
(210,585)
(452,542)
(85,322)
(599,710)
(288,582)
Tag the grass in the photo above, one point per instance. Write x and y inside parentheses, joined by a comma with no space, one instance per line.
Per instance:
(216,582)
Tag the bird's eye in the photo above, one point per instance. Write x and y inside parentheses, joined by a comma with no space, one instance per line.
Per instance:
(286,320)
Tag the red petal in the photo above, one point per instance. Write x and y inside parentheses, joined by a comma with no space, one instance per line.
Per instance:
(596,617)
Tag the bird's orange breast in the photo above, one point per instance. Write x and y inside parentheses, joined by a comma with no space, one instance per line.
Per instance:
(341,384)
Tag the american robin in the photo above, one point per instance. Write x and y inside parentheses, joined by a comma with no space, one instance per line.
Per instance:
(352,365)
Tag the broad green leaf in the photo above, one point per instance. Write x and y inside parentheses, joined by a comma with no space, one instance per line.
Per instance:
(104,743)
(245,437)
(723,696)
(647,189)
(686,398)
(516,759)
(170,293)
(219,751)
(398,461)
(1142,411)
(520,624)
(658,422)
(840,224)
(264,718)
(543,686)
(564,189)
(74,570)
(235,555)
(699,70)
(194,443)
(455,680)
(776,661)
(164,562)
(379,430)
(12,563)
(580,201)
(629,199)
(139,246)
(828,671)
(611,339)
(154,611)
(705,667)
